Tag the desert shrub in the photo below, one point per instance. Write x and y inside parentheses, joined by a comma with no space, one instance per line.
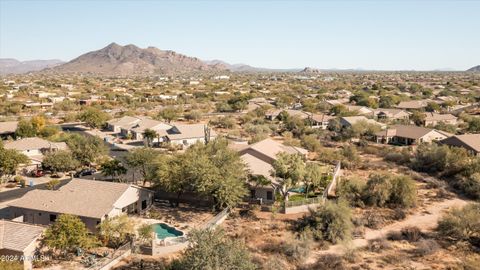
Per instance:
(212,249)
(351,190)
(329,261)
(351,159)
(411,233)
(379,245)
(396,191)
(18,178)
(471,263)
(401,158)
(430,158)
(331,222)
(311,142)
(394,236)
(461,224)
(351,255)
(403,192)
(52,184)
(399,214)
(373,219)
(299,248)
(274,263)
(469,185)
(426,247)
(377,190)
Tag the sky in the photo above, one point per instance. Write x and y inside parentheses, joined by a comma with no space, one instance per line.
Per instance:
(379,35)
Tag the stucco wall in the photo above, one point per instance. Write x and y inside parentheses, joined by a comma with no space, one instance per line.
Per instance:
(43,218)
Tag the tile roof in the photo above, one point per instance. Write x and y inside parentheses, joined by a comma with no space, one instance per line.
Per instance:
(271,148)
(34,143)
(18,236)
(469,141)
(407,131)
(86,198)
(8,127)
(192,131)
(431,116)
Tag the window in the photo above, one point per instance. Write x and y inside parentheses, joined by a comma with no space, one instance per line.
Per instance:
(269,195)
(144,204)
(53,218)
(40,214)
(252,193)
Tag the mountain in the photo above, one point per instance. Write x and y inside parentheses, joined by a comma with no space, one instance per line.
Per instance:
(13,66)
(474,69)
(246,68)
(310,70)
(132,60)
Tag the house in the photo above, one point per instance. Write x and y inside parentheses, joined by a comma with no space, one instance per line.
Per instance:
(92,201)
(320,120)
(187,135)
(391,114)
(126,122)
(34,148)
(7,129)
(361,110)
(432,119)
(259,158)
(471,142)
(273,114)
(44,105)
(138,128)
(409,135)
(349,121)
(413,104)
(19,240)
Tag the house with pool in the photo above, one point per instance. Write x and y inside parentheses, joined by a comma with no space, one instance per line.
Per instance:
(259,158)
(92,201)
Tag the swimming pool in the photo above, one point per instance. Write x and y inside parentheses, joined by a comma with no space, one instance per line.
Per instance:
(163,231)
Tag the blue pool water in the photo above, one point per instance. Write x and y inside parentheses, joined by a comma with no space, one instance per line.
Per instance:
(163,231)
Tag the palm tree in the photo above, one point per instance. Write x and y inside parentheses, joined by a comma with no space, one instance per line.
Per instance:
(149,135)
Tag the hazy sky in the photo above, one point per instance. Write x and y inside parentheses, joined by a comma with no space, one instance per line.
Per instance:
(422,35)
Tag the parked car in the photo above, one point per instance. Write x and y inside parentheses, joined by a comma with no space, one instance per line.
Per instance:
(37,173)
(85,172)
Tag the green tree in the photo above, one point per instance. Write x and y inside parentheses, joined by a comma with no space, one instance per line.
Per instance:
(25,129)
(315,177)
(10,159)
(68,233)
(93,117)
(211,170)
(418,118)
(212,250)
(149,135)
(86,149)
(168,114)
(142,159)
(145,233)
(116,231)
(113,168)
(60,161)
(289,169)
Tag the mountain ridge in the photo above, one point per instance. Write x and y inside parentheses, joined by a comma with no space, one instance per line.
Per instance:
(474,69)
(14,66)
(115,59)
